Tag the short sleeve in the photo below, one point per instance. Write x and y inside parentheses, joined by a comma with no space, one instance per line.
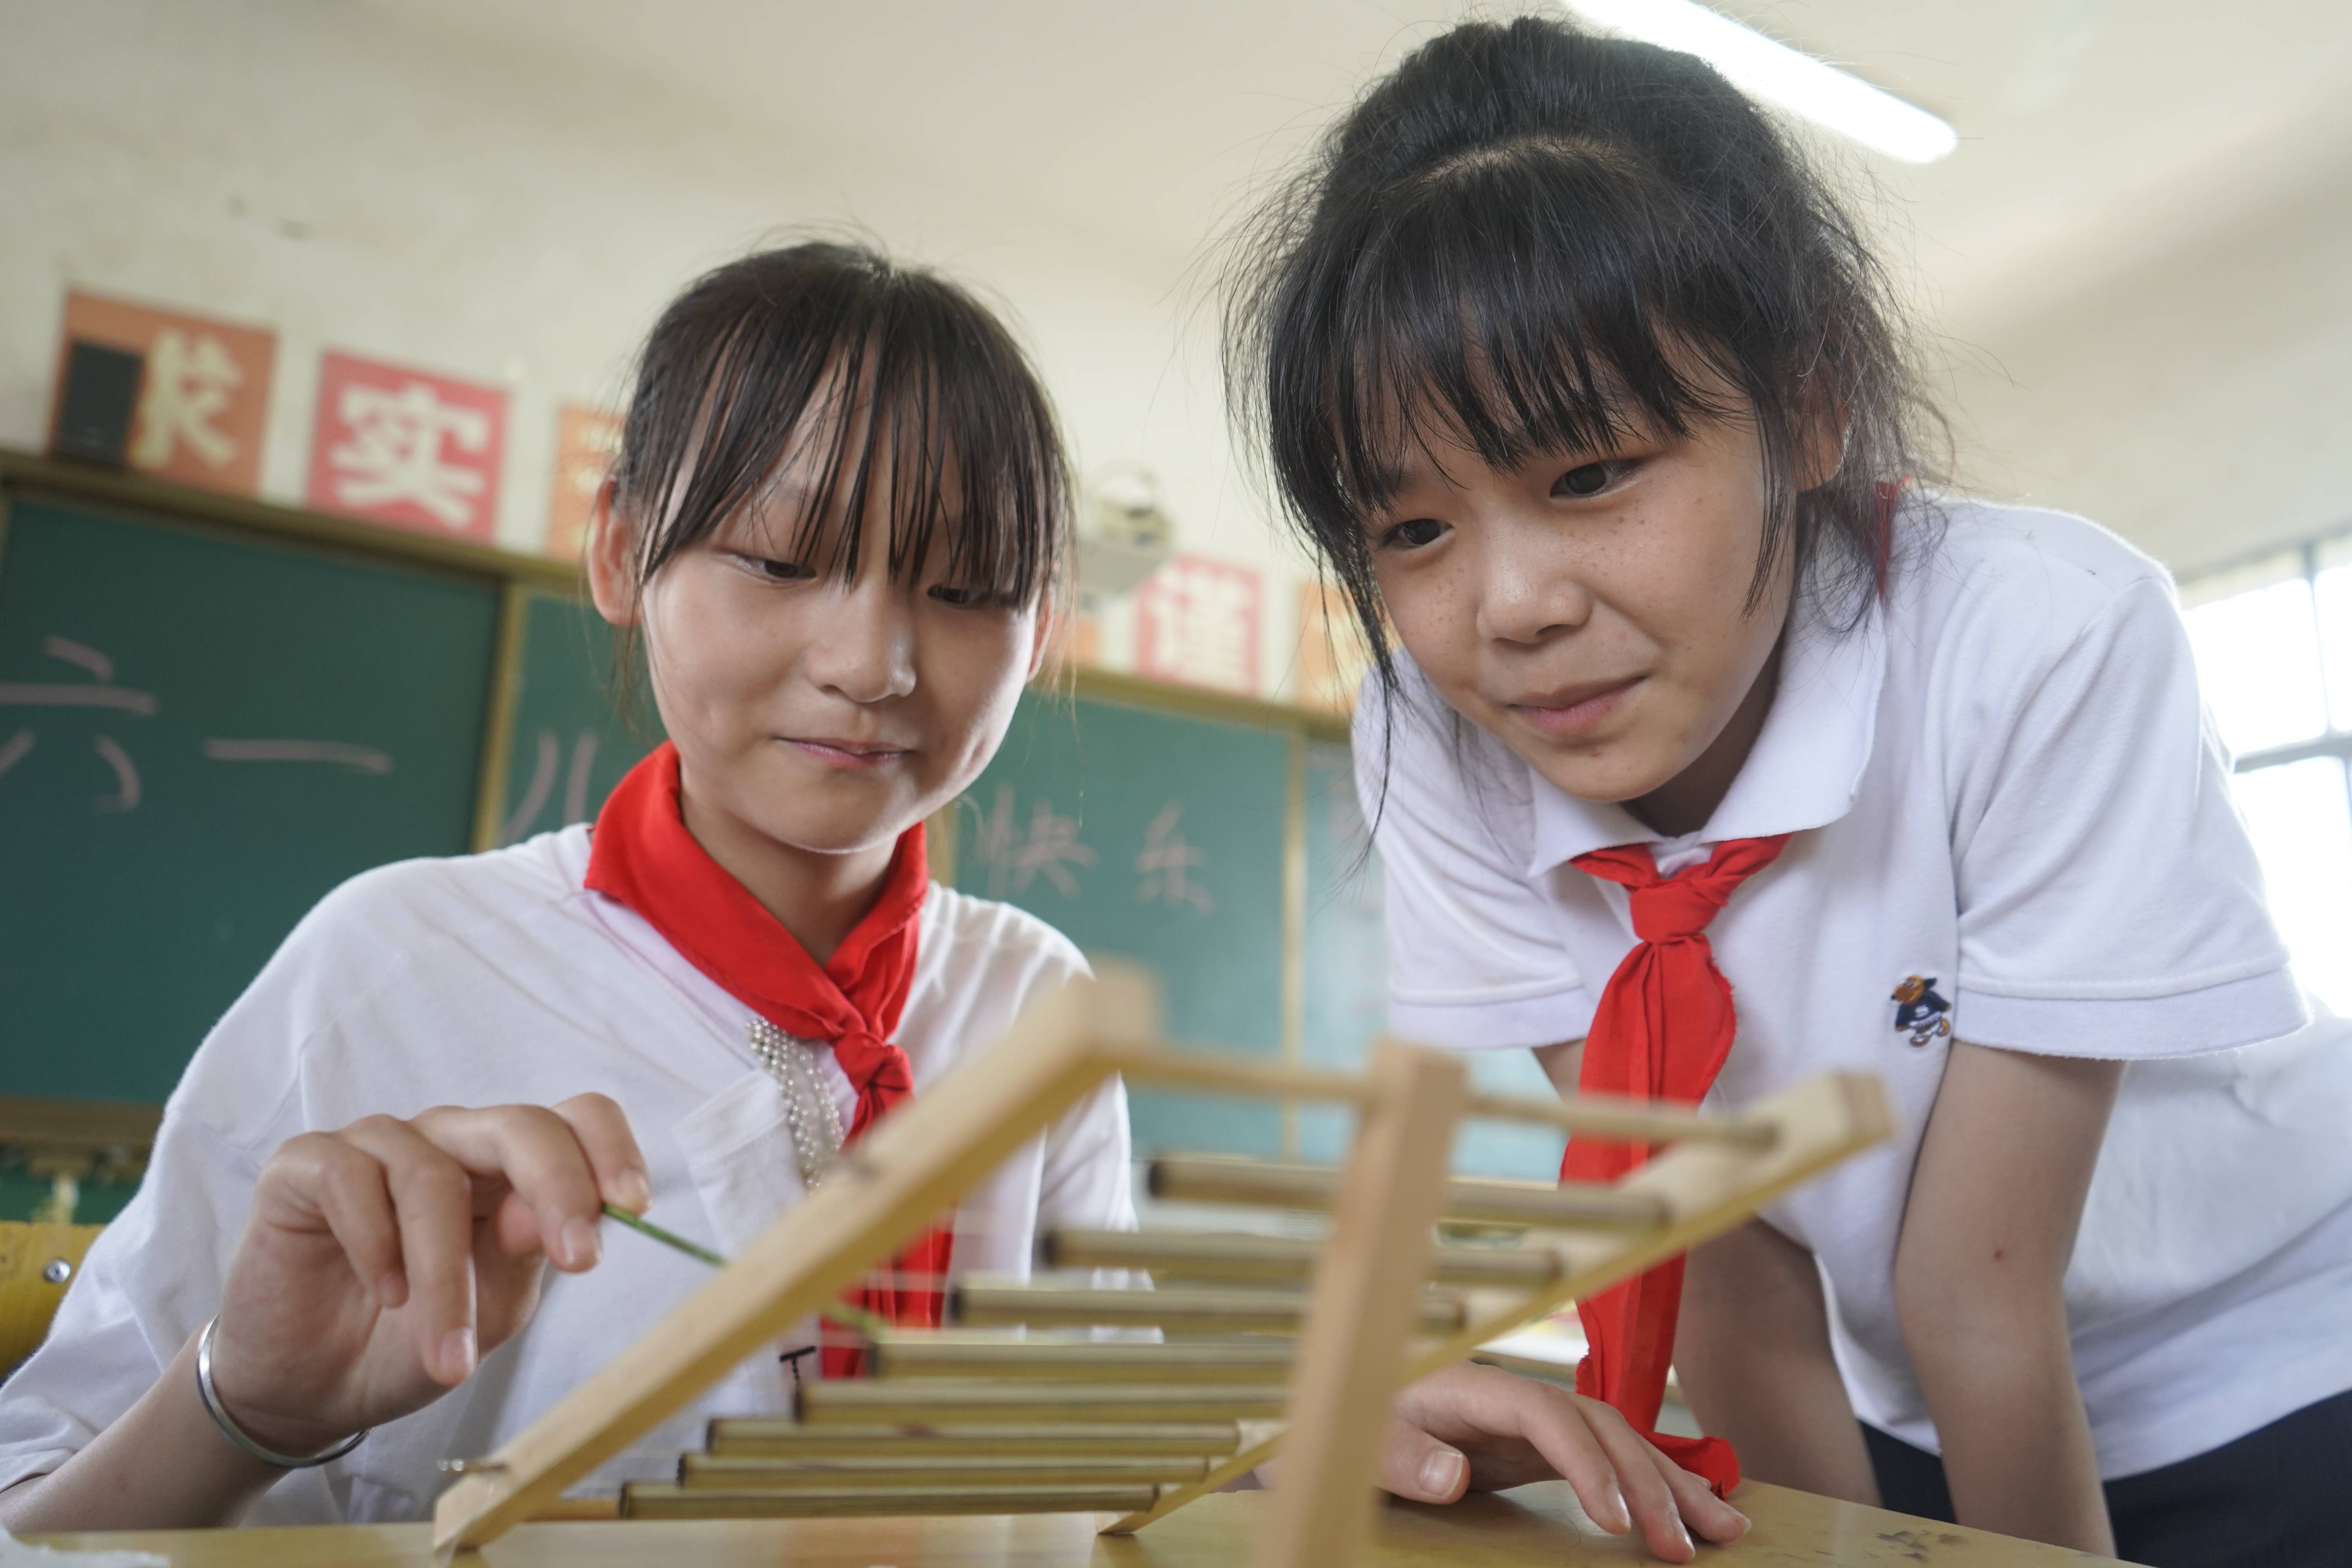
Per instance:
(2110,903)
(1475,956)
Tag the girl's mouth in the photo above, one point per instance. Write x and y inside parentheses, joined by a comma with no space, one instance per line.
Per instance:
(1575,711)
(846,753)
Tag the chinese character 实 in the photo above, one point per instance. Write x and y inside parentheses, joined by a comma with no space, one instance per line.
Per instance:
(1168,863)
(394,451)
(189,383)
(1049,849)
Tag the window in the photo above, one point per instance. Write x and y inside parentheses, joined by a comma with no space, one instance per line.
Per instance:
(2274,645)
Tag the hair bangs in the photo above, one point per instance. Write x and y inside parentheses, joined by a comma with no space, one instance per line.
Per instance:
(806,383)
(1487,310)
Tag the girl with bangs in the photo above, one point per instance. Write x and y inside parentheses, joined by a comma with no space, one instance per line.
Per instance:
(837,519)
(1708,748)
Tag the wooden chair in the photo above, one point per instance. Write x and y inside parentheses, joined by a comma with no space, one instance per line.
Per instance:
(37,1263)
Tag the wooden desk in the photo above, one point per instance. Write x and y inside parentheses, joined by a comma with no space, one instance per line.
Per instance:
(1531,1526)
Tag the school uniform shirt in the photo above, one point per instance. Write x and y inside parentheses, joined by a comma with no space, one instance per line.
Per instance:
(2012,826)
(499,979)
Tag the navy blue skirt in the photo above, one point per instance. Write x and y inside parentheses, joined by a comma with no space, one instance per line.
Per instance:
(2272,1499)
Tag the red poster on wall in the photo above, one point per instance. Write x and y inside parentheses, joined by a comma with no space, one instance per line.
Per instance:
(1197,621)
(1332,657)
(586,441)
(205,398)
(407,448)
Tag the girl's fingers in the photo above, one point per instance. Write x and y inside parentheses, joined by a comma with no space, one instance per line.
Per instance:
(611,1149)
(1655,1508)
(1558,1430)
(1415,1465)
(344,1187)
(535,1151)
(1701,1508)
(433,1196)
(349,1186)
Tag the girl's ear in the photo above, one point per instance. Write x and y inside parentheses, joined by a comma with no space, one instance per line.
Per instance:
(1821,443)
(1042,632)
(613,559)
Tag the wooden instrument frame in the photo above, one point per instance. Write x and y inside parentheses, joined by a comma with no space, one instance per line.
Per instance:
(1363,1336)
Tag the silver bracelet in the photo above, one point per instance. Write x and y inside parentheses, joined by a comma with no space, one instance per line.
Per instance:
(230,1430)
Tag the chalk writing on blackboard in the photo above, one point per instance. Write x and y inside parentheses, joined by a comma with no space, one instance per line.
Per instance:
(359,758)
(100,691)
(1168,862)
(126,777)
(542,783)
(1015,859)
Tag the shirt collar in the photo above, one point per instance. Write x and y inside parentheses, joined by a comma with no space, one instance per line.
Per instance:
(1804,773)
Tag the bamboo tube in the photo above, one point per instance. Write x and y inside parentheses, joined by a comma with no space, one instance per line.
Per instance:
(732,1473)
(1216,1179)
(1611,1117)
(1270,1260)
(1258,1360)
(928,1403)
(1175,1311)
(664,1499)
(760,1437)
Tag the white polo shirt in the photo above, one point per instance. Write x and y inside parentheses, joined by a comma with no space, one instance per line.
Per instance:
(499,979)
(2004,790)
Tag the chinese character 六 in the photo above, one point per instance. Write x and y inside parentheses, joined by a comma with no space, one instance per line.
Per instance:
(394,451)
(98,692)
(1168,862)
(189,379)
(1015,859)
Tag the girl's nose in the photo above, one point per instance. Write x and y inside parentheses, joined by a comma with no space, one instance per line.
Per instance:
(863,645)
(1525,595)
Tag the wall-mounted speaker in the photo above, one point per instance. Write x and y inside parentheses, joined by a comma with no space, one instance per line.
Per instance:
(97,403)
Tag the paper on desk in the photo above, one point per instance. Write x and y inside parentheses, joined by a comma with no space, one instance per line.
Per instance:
(1558,1340)
(16,1553)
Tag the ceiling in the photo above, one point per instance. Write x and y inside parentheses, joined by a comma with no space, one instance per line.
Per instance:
(2095,132)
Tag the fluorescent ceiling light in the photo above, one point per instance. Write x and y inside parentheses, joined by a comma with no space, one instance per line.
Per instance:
(1769,70)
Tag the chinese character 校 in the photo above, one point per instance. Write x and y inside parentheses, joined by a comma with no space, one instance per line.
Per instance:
(205,394)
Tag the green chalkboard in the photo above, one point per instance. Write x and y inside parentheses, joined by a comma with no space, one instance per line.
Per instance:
(567,746)
(1158,837)
(200,735)
(1347,988)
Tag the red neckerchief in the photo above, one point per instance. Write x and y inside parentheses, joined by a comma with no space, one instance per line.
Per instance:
(1664,1027)
(642,855)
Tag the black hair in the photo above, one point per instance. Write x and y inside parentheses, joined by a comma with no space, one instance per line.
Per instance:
(784,348)
(1536,239)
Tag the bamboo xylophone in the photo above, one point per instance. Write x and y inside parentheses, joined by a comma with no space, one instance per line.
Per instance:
(1228,1344)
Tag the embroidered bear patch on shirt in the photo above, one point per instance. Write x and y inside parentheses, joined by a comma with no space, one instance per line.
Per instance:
(1919,1012)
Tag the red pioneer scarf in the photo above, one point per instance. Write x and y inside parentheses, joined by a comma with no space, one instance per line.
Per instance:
(1663,1028)
(642,855)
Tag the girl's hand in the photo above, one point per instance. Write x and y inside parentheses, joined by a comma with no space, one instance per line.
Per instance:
(1480,1428)
(379,1264)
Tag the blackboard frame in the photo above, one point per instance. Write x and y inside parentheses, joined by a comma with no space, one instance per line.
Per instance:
(518,576)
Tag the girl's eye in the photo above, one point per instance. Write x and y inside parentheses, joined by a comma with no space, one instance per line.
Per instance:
(775,570)
(966,598)
(1414,533)
(1586,479)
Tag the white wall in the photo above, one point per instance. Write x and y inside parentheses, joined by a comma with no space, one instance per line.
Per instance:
(355,177)
(2199,404)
